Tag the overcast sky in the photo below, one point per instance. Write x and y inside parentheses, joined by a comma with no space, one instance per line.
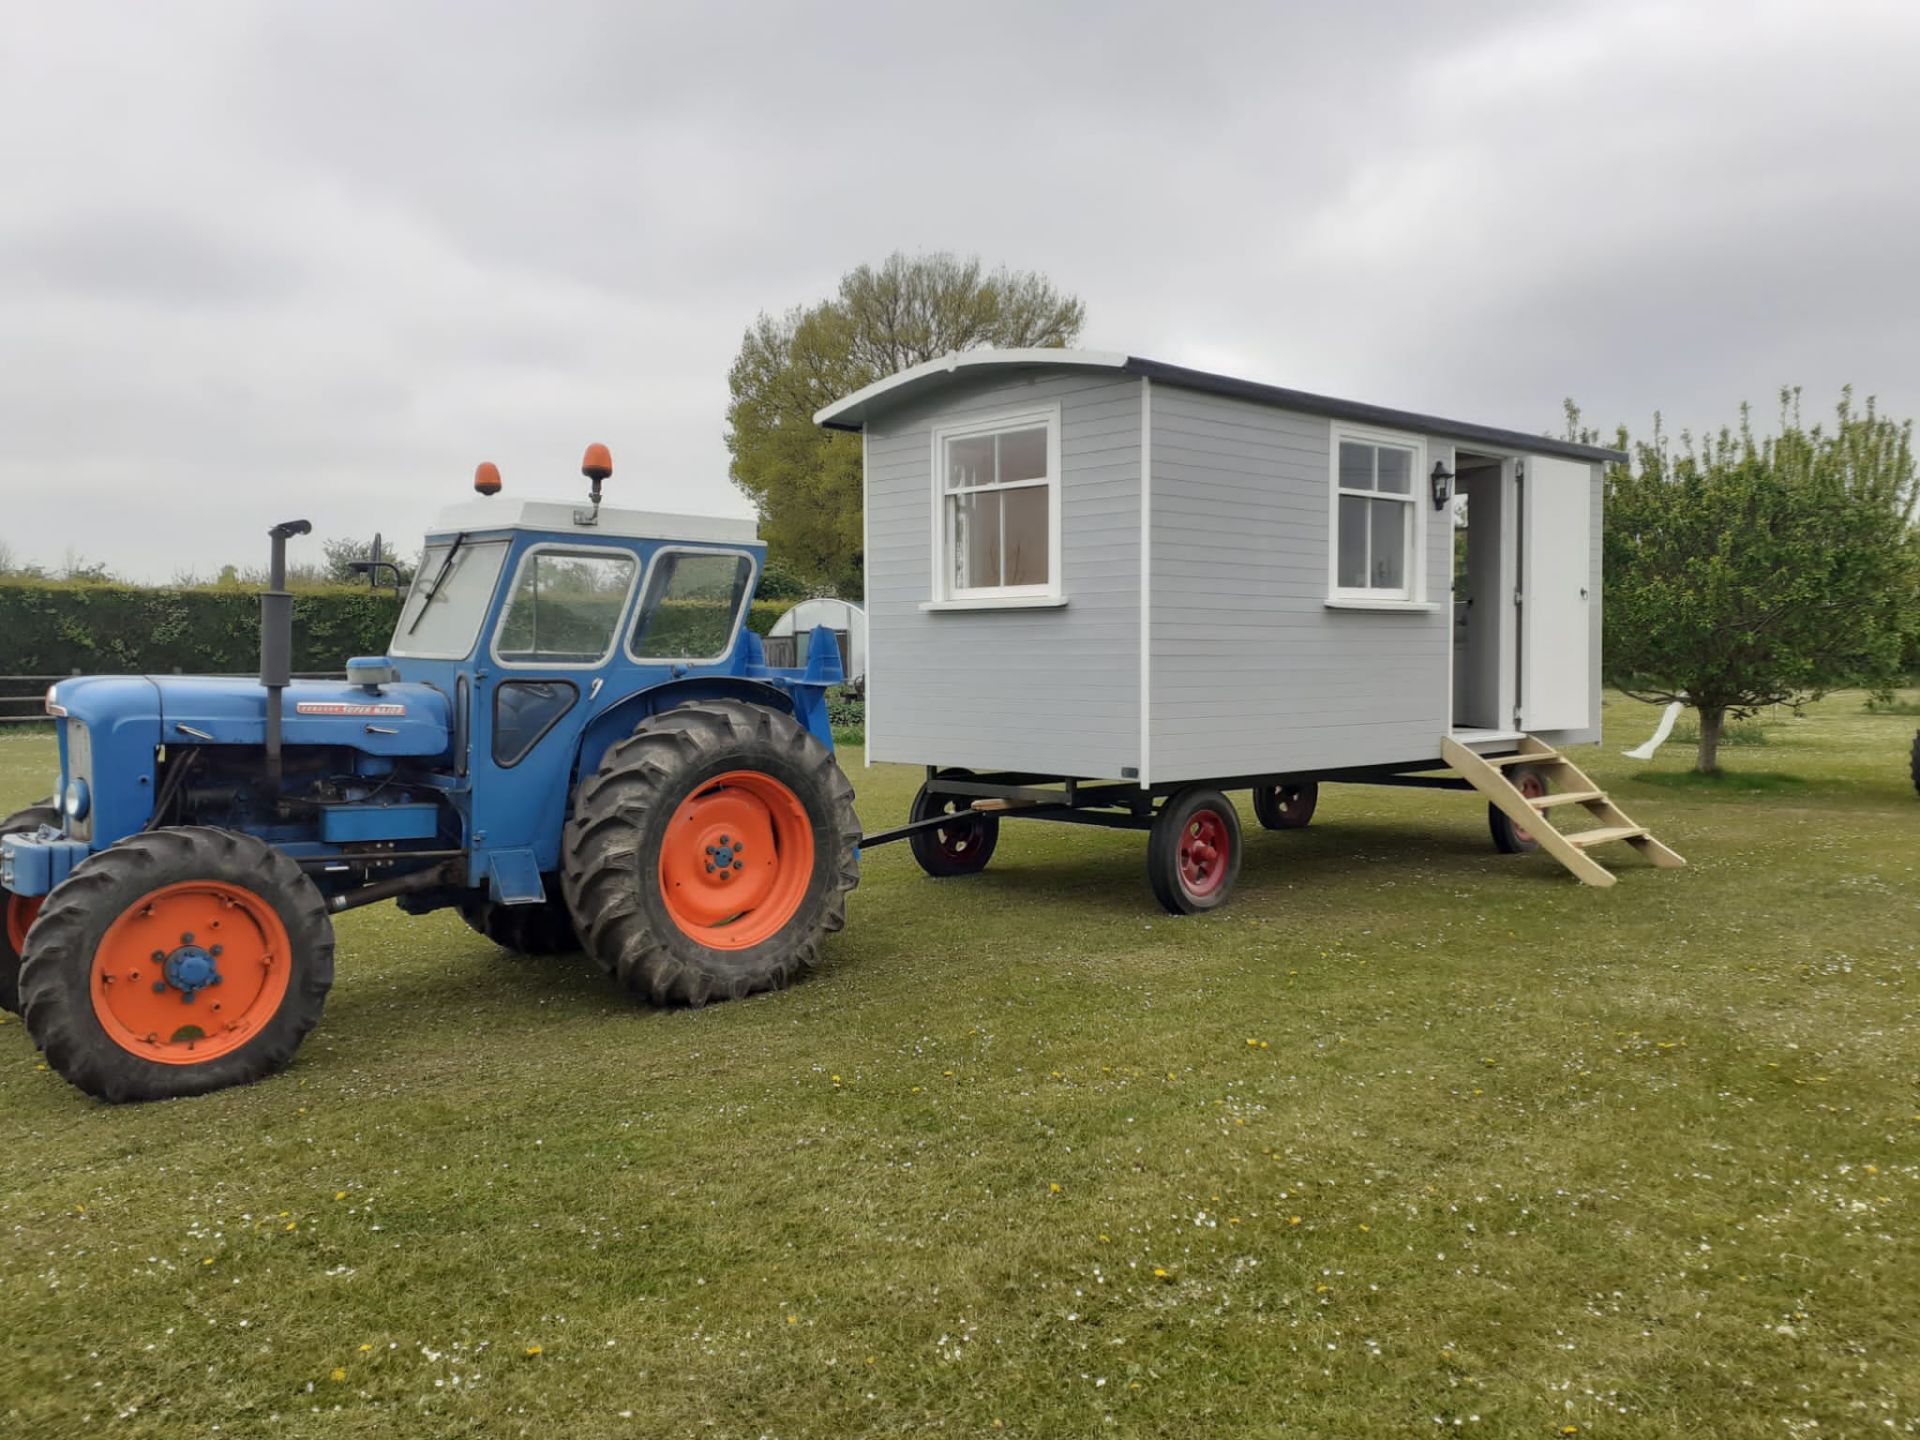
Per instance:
(266,260)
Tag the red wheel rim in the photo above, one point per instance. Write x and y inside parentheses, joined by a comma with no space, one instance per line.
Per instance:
(1533,787)
(960,842)
(191,972)
(1206,847)
(21,910)
(737,860)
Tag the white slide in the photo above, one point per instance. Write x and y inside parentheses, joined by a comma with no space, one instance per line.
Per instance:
(1667,719)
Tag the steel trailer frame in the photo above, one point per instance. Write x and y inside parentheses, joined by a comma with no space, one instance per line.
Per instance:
(1128,805)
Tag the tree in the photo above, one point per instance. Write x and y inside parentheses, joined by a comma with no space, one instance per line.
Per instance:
(805,480)
(1744,572)
(343,553)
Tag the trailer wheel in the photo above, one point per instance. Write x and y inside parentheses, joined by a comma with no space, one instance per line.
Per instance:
(962,848)
(17,911)
(177,962)
(711,853)
(1285,807)
(543,929)
(1509,838)
(1193,851)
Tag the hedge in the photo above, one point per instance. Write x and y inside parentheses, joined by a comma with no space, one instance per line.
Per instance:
(60,627)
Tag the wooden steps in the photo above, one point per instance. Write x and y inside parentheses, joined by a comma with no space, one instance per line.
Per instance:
(1490,776)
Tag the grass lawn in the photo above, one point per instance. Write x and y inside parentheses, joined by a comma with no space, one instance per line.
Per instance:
(1411,1138)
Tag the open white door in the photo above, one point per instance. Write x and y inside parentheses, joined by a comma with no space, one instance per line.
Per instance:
(1556,559)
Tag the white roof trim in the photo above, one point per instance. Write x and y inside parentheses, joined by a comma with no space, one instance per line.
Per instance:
(556,517)
(849,411)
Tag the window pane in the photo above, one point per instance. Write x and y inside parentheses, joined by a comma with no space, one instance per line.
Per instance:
(461,583)
(1356,466)
(973,540)
(564,607)
(1396,470)
(1025,513)
(1389,549)
(522,712)
(1023,454)
(1352,568)
(970,462)
(691,606)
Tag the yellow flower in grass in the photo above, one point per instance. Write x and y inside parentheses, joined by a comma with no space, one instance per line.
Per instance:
(533,1349)
(339,1374)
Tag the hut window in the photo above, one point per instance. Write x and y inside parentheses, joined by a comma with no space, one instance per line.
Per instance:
(997,508)
(1376,518)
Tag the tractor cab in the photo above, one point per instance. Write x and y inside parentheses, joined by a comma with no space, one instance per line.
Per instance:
(574,738)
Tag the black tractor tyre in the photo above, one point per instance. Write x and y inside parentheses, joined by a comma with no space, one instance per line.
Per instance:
(17,911)
(661,785)
(219,871)
(1286,807)
(543,929)
(963,848)
(1193,851)
(1509,838)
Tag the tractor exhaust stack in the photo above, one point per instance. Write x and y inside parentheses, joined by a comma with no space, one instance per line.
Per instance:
(276,641)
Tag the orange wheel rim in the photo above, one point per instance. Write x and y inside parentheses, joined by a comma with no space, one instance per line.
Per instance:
(21,910)
(191,972)
(737,860)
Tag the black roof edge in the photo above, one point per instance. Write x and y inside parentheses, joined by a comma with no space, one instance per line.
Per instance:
(1379,415)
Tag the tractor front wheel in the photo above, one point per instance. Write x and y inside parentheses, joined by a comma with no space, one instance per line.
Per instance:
(710,853)
(543,929)
(177,962)
(18,911)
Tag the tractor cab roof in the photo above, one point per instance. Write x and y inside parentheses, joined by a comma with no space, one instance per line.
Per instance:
(559,517)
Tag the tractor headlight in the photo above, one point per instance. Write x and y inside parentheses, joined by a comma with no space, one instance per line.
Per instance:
(78,800)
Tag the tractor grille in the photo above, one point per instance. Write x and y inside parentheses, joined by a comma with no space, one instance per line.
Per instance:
(79,767)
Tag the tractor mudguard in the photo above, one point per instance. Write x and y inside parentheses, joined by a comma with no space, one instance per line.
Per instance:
(617,722)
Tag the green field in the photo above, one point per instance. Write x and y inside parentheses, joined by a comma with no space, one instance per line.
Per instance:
(1410,1139)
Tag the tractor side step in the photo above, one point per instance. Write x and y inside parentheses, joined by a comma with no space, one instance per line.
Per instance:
(1489,775)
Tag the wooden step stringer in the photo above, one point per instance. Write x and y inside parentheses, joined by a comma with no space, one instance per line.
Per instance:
(1488,775)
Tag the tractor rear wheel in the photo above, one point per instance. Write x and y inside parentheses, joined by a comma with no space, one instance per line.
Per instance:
(177,962)
(17,911)
(543,929)
(1285,807)
(710,853)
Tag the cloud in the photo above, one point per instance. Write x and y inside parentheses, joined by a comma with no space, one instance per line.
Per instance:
(303,259)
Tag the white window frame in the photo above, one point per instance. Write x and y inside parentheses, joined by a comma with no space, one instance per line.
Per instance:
(1371,596)
(945,593)
(580,552)
(739,618)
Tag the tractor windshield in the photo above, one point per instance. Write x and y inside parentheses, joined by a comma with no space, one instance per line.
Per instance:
(449,598)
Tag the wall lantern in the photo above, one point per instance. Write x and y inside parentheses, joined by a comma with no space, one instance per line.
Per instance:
(1442,481)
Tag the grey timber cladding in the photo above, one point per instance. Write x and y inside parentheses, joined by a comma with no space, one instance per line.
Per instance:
(1052,690)
(1250,671)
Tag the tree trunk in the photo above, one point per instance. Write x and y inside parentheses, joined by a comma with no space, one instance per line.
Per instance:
(1713,720)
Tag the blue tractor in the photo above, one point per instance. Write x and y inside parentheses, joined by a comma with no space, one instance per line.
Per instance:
(573,739)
